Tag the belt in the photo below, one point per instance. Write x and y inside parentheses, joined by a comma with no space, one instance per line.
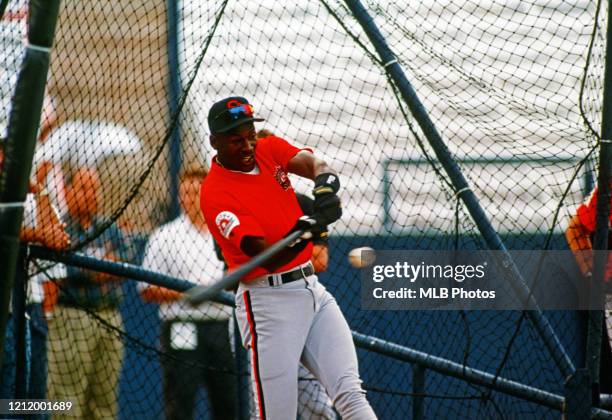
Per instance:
(300,273)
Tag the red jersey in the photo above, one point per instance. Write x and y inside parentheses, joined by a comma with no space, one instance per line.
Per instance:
(586,212)
(238,204)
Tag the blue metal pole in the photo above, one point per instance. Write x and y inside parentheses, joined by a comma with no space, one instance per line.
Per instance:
(418,387)
(462,188)
(387,220)
(122,269)
(24,119)
(174,92)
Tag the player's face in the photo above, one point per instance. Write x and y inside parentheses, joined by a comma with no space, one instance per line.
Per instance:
(235,150)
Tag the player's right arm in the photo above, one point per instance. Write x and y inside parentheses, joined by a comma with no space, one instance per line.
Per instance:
(327,206)
(238,229)
(320,254)
(254,245)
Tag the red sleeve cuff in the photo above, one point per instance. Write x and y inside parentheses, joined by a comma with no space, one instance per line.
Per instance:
(240,232)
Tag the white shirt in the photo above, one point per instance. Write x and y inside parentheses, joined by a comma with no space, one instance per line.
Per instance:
(180,250)
(13,34)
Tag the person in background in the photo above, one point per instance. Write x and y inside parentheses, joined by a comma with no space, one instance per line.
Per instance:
(313,401)
(85,346)
(285,315)
(40,226)
(579,235)
(195,340)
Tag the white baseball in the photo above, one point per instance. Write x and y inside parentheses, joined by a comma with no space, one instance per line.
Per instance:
(361,257)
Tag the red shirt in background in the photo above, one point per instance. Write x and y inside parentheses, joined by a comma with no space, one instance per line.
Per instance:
(586,214)
(587,211)
(238,204)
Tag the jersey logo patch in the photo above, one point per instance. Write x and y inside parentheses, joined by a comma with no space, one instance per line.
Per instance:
(226,222)
(282,178)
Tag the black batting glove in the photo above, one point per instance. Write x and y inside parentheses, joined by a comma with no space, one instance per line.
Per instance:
(305,223)
(327,206)
(320,235)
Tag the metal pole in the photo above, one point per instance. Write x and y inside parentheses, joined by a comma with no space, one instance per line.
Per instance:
(24,120)
(174,91)
(121,269)
(386,183)
(462,189)
(418,388)
(3,4)
(21,341)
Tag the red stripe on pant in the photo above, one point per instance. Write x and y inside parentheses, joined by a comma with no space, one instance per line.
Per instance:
(254,352)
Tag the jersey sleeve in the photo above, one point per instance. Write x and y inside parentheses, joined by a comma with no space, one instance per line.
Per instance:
(280,150)
(227,220)
(586,211)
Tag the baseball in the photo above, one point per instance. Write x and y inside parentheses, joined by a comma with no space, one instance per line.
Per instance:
(361,257)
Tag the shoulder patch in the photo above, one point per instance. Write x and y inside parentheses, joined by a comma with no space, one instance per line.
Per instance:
(282,178)
(226,221)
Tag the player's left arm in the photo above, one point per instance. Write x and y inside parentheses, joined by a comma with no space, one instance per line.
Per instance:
(327,206)
(307,165)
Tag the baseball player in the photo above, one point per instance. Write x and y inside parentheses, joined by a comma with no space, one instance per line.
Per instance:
(285,315)
(579,235)
(313,401)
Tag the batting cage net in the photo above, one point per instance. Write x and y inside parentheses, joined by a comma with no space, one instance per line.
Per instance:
(513,87)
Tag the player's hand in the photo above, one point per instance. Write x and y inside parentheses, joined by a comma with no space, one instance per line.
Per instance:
(327,206)
(305,223)
(319,235)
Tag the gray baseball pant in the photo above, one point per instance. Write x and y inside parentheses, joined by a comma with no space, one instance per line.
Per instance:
(298,321)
